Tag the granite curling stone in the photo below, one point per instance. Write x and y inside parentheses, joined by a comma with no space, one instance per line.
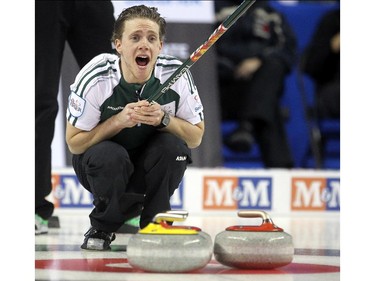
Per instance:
(254,247)
(161,247)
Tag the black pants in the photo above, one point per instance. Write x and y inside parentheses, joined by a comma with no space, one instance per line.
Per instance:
(87,27)
(328,99)
(258,100)
(128,184)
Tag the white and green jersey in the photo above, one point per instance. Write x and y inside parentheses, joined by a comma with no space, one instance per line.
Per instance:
(99,92)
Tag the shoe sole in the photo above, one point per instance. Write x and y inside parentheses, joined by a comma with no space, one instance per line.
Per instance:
(95,244)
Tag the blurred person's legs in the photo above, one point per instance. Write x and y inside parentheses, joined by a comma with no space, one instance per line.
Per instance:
(328,100)
(257,107)
(87,25)
(49,46)
(91,29)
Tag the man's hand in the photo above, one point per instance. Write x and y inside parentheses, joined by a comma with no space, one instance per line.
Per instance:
(141,112)
(335,43)
(247,68)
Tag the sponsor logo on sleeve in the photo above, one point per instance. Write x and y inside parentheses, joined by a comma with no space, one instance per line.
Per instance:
(76,105)
(195,103)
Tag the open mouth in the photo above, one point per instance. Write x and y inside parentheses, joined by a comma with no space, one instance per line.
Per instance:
(142,60)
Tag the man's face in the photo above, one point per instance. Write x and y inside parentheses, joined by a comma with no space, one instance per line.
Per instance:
(139,48)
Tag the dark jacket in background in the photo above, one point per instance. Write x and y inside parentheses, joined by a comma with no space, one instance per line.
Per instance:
(323,65)
(260,32)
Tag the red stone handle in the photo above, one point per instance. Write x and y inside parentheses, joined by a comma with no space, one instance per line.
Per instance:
(266,226)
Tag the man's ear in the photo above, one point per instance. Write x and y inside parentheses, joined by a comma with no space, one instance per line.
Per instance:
(161,45)
(118,45)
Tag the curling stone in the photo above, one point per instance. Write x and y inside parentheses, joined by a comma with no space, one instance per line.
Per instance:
(161,247)
(254,247)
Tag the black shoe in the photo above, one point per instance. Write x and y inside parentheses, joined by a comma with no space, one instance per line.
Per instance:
(97,240)
(41,225)
(241,140)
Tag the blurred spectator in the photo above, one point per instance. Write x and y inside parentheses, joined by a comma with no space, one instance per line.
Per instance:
(254,58)
(87,27)
(321,60)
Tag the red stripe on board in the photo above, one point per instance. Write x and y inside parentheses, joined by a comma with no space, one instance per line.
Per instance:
(122,265)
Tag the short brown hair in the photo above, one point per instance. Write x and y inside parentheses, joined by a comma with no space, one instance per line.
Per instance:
(140,11)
